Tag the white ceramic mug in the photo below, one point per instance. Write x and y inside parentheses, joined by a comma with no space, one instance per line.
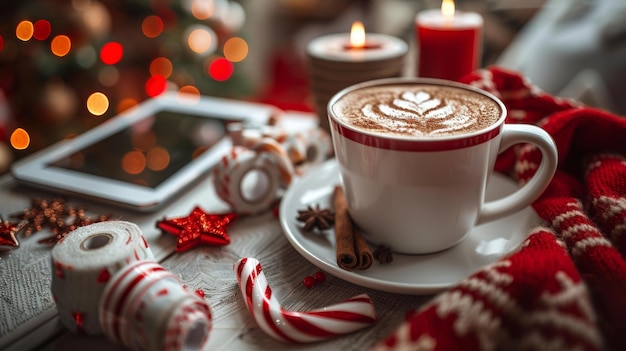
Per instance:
(422,194)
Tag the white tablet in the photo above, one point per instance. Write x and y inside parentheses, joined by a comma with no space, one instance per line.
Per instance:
(144,156)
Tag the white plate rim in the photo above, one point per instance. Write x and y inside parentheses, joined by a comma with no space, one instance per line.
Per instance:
(316,179)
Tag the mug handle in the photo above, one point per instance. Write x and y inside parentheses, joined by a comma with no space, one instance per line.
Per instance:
(524,196)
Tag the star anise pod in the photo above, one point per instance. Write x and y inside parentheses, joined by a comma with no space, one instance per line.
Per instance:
(383,254)
(314,217)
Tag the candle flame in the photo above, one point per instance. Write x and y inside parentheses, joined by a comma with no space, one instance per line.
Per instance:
(357,35)
(447,8)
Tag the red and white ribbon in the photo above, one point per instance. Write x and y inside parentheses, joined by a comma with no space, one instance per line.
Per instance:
(345,317)
(250,135)
(84,262)
(308,148)
(144,307)
(279,156)
(232,180)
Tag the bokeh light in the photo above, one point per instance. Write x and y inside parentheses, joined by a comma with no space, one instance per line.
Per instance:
(235,49)
(20,139)
(188,94)
(198,151)
(61,45)
(189,90)
(152,26)
(108,76)
(156,85)
(77,159)
(95,19)
(236,16)
(221,69)
(1,42)
(126,103)
(143,140)
(161,66)
(97,104)
(86,56)
(24,30)
(201,39)
(133,162)
(81,5)
(158,159)
(111,53)
(59,100)
(202,9)
(41,30)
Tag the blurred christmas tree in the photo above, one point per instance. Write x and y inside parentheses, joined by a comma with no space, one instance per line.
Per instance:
(68,65)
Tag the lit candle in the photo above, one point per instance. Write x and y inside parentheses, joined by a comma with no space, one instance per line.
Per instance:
(358,39)
(356,46)
(449,42)
(337,61)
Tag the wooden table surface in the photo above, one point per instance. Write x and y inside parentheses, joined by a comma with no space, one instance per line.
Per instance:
(28,316)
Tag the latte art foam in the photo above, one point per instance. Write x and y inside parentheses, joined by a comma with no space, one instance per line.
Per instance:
(416,110)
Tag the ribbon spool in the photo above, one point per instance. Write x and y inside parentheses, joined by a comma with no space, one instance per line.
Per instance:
(145,307)
(84,262)
(309,148)
(248,180)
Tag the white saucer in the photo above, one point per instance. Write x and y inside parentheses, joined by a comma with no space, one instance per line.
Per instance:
(407,274)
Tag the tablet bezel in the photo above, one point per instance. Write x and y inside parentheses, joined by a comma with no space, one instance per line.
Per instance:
(35,170)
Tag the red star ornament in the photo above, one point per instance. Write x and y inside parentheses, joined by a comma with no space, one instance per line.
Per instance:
(8,241)
(199,228)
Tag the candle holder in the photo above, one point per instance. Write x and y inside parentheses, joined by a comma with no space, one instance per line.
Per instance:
(335,64)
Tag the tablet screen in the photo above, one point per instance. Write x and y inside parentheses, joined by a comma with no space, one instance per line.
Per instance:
(150,151)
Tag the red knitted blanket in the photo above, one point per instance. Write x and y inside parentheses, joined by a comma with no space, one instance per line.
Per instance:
(565,287)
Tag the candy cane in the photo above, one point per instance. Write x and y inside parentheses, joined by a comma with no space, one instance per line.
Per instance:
(345,317)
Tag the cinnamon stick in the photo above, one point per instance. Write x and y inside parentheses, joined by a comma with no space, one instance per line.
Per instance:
(363,252)
(352,251)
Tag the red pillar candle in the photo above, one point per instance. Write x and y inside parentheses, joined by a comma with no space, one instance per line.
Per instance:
(449,44)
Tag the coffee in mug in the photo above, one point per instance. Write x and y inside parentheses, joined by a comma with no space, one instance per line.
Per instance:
(416,110)
(415,156)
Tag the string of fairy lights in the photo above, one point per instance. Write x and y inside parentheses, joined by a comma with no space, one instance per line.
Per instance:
(209,36)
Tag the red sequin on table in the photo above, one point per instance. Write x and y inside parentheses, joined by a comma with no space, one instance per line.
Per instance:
(319,277)
(79,317)
(199,228)
(58,270)
(309,282)
(276,211)
(104,276)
